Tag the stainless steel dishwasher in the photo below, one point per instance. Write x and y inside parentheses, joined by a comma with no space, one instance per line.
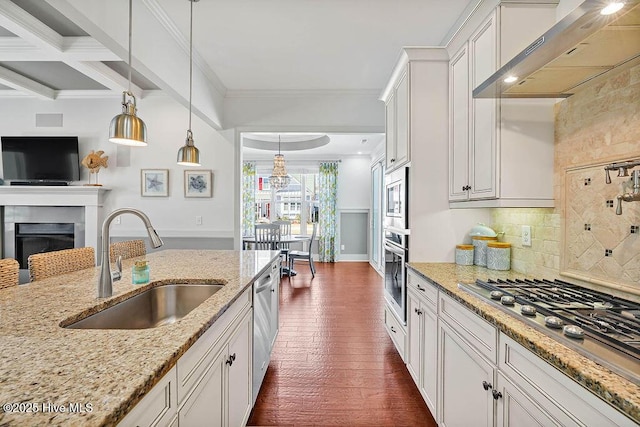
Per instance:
(265,323)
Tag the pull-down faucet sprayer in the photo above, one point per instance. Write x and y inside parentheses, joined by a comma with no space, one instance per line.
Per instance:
(105,282)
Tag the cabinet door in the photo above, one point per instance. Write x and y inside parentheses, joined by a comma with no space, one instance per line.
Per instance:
(390,129)
(414,326)
(516,409)
(204,406)
(402,120)
(483,138)
(239,374)
(429,358)
(459,95)
(463,400)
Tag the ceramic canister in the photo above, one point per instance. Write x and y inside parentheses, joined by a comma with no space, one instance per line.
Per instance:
(480,249)
(498,256)
(464,254)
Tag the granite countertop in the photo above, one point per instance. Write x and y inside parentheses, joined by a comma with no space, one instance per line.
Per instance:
(43,363)
(609,386)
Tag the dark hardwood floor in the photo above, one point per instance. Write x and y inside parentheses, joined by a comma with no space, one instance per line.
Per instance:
(333,362)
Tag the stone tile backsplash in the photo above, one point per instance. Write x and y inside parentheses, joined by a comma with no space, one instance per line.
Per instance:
(598,125)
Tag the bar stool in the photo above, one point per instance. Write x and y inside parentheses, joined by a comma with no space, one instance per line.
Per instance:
(9,271)
(48,264)
(127,249)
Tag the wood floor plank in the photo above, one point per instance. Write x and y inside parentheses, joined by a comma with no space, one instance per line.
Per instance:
(333,363)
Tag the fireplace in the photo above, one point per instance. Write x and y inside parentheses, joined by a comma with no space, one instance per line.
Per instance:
(35,229)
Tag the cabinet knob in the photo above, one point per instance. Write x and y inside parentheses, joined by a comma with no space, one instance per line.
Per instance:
(420,288)
(418,312)
(230,360)
(486,385)
(466,188)
(496,394)
(393,160)
(392,329)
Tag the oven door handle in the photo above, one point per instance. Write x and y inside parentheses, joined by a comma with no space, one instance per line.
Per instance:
(394,249)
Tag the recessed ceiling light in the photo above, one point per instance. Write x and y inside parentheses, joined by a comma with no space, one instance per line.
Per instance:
(510,79)
(364,141)
(612,8)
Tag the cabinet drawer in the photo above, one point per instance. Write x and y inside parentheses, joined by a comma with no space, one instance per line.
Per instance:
(194,362)
(395,330)
(427,290)
(477,331)
(158,407)
(564,399)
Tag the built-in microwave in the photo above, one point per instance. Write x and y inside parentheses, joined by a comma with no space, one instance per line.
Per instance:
(396,203)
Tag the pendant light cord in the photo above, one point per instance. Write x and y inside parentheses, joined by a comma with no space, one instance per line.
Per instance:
(190,61)
(130,32)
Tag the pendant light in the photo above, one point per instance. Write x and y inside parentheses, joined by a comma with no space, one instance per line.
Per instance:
(279,179)
(188,154)
(127,128)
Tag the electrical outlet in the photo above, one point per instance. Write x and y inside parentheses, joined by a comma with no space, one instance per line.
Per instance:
(198,220)
(342,247)
(116,220)
(526,235)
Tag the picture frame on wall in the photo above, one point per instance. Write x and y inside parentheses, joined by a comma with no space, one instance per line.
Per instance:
(154,182)
(198,183)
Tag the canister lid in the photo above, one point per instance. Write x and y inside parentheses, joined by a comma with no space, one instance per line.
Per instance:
(484,238)
(498,245)
(140,265)
(465,247)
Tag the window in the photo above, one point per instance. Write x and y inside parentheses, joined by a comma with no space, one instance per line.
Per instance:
(297,203)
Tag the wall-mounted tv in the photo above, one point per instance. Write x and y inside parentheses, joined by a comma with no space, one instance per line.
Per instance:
(40,160)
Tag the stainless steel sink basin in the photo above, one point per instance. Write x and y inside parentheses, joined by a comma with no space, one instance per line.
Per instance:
(162,305)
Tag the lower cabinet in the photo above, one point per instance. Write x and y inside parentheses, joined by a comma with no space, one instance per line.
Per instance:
(395,329)
(211,383)
(517,409)
(222,397)
(466,384)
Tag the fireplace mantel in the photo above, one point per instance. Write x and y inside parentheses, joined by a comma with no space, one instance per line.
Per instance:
(89,197)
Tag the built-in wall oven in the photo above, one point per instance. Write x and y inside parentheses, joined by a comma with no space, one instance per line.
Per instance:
(395,276)
(396,200)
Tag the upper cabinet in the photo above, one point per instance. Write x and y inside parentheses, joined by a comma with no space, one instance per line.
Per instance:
(500,151)
(397,122)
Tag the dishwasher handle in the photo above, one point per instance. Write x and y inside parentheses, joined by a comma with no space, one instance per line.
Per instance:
(267,284)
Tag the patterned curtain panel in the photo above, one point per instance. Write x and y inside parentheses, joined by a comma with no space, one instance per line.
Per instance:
(328,185)
(248,198)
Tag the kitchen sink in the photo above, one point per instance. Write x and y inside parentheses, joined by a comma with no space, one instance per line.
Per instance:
(158,306)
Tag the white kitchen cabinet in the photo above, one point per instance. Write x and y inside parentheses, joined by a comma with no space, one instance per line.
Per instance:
(397,123)
(395,329)
(158,407)
(222,395)
(516,409)
(466,383)
(422,338)
(500,151)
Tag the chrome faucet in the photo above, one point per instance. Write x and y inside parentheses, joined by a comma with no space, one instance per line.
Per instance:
(105,282)
(633,196)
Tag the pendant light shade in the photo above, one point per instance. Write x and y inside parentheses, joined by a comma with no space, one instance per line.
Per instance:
(127,128)
(279,178)
(188,154)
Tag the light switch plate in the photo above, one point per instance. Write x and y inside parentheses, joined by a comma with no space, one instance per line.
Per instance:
(526,235)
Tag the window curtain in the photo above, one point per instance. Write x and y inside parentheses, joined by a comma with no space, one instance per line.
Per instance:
(248,198)
(327,194)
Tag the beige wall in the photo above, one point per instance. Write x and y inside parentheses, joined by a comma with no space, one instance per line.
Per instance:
(598,125)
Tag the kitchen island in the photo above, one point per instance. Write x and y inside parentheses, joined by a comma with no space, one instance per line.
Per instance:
(616,390)
(59,376)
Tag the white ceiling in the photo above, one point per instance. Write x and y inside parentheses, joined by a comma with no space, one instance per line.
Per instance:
(54,48)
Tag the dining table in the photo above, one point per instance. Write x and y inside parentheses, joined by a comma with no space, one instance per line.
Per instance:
(284,239)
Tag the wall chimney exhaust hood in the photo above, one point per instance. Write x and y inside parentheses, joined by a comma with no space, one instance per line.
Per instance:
(582,46)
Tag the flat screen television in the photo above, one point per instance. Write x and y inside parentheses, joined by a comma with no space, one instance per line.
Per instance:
(40,160)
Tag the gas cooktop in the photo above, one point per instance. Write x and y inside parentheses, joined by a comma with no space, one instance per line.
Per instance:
(600,326)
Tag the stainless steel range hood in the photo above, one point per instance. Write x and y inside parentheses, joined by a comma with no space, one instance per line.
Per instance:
(580,47)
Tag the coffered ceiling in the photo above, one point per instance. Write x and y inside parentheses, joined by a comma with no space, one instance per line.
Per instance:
(50,49)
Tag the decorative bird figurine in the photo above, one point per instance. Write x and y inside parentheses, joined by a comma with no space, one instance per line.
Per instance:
(94,161)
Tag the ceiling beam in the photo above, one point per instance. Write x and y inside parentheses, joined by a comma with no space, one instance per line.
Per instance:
(22,83)
(105,76)
(75,49)
(24,25)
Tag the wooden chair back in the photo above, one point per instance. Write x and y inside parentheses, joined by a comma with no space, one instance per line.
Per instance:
(9,271)
(267,236)
(127,249)
(285,230)
(49,264)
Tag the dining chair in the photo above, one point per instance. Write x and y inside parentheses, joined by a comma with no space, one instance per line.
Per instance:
(267,236)
(127,249)
(305,255)
(49,264)
(285,230)
(9,272)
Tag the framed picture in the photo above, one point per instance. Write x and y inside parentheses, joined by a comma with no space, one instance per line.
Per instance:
(154,182)
(198,183)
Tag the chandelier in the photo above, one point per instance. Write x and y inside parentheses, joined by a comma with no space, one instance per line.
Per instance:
(279,178)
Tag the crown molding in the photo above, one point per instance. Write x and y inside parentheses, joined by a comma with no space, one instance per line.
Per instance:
(165,20)
(296,93)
